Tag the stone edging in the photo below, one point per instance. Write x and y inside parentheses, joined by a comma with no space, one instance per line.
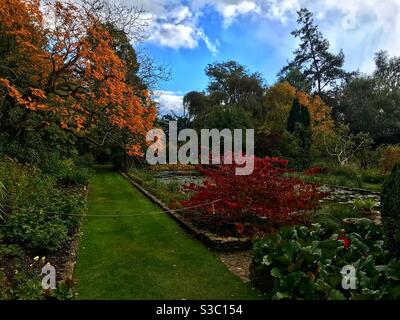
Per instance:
(69,266)
(210,240)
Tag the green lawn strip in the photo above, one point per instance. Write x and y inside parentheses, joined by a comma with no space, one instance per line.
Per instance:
(144,257)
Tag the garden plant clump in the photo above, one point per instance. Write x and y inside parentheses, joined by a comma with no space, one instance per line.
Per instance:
(303,262)
(39,217)
(250,205)
(306,263)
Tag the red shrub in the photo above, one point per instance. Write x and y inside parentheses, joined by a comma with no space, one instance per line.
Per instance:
(315,170)
(251,204)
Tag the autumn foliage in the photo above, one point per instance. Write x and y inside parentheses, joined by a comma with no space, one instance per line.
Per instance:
(320,113)
(61,63)
(389,158)
(258,203)
(315,170)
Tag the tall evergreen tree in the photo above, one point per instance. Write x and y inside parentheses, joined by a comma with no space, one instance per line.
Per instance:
(299,114)
(322,68)
(299,124)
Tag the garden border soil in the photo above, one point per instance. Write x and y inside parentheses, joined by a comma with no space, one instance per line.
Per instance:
(67,273)
(211,240)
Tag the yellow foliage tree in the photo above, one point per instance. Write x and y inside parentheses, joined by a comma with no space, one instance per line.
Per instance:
(278,101)
(390,156)
(321,118)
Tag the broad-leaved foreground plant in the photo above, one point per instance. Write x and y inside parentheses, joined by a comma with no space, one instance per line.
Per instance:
(307,263)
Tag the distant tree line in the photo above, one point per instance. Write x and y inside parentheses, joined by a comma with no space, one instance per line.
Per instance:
(313,98)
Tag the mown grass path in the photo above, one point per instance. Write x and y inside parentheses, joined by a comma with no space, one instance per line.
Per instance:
(147,256)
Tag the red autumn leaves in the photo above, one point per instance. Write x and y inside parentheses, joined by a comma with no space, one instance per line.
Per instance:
(264,200)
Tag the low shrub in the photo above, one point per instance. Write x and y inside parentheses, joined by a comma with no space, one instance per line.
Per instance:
(248,205)
(365,205)
(169,192)
(331,215)
(315,170)
(67,171)
(373,176)
(306,263)
(76,176)
(68,204)
(39,215)
(348,171)
(56,167)
(36,230)
(390,156)
(26,185)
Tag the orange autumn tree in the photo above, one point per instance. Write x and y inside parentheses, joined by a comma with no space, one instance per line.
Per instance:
(78,80)
(271,130)
(278,102)
(320,113)
(24,60)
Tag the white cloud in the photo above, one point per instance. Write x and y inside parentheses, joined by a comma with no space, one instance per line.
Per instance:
(174,36)
(281,10)
(169,101)
(358,27)
(232,10)
(175,26)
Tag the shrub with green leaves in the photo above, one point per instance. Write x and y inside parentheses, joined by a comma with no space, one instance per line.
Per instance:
(366,205)
(373,176)
(390,211)
(66,171)
(40,215)
(36,230)
(306,263)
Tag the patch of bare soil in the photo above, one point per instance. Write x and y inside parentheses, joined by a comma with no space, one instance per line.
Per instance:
(238,263)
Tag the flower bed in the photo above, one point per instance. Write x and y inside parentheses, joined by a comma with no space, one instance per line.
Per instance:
(40,224)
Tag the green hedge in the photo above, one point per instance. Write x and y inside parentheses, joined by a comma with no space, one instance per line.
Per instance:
(390,210)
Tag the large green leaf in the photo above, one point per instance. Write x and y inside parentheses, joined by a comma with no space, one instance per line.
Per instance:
(336,295)
(322,286)
(393,270)
(290,248)
(281,295)
(276,272)
(289,282)
(306,287)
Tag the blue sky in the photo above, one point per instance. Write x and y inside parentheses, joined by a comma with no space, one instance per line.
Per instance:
(187,35)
